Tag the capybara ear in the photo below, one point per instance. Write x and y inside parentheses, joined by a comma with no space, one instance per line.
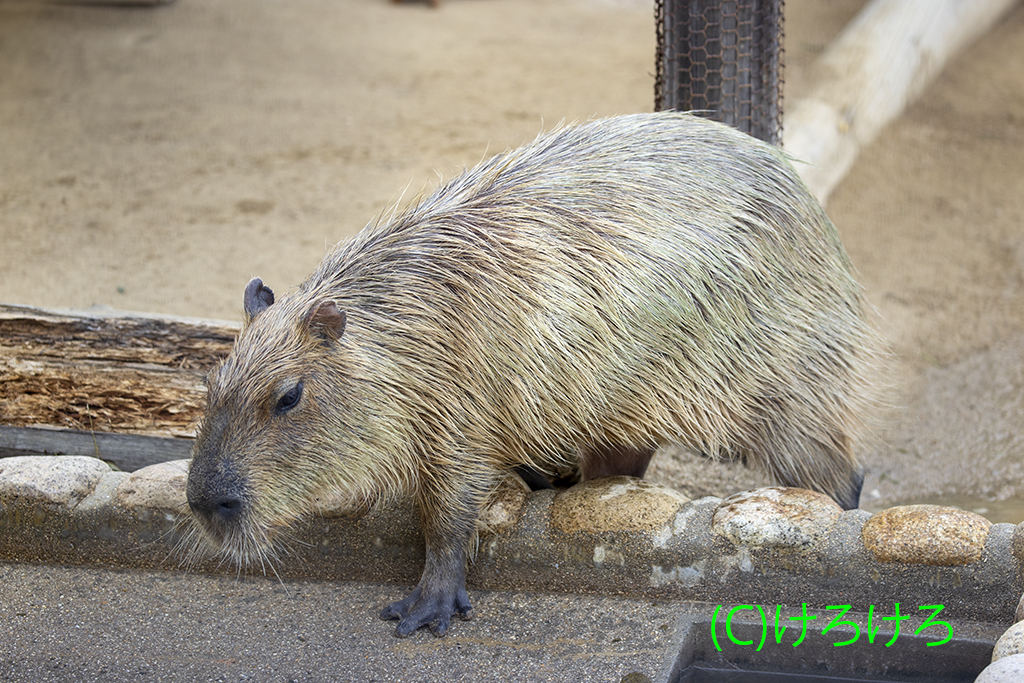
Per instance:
(257,298)
(326,320)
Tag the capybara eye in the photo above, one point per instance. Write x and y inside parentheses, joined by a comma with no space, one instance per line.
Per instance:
(289,400)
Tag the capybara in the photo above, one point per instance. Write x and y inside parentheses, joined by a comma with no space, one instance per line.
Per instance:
(606,289)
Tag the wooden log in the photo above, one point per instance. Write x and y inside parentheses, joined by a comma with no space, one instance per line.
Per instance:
(104,373)
(882,61)
(128,452)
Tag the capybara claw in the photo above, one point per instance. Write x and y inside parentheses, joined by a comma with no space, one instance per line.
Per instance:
(417,611)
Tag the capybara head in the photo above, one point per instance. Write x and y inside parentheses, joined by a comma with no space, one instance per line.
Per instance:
(286,426)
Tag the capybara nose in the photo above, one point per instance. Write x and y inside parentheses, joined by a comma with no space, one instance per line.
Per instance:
(218,508)
(215,494)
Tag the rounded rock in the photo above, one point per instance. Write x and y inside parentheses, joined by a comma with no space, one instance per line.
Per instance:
(615,504)
(160,486)
(926,534)
(58,480)
(777,516)
(1017,548)
(1010,643)
(503,507)
(1006,670)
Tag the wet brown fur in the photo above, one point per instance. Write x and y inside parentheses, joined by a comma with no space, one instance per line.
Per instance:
(580,301)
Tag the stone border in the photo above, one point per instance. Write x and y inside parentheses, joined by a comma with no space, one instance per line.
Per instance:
(612,536)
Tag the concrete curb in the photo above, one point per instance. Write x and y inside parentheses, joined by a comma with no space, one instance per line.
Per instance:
(771,546)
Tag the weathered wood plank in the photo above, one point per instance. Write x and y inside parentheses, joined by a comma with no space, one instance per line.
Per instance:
(104,372)
(128,452)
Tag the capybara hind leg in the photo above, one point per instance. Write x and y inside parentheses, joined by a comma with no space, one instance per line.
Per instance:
(610,461)
(851,500)
(534,478)
(803,462)
(844,487)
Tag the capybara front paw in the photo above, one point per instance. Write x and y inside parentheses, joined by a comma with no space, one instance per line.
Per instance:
(434,611)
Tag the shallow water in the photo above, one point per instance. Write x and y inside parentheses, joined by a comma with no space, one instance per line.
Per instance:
(957,438)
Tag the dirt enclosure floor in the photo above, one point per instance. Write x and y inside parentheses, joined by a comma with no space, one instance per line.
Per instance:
(155,159)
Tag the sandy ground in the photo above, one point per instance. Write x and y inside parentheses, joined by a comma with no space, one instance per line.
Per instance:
(156,159)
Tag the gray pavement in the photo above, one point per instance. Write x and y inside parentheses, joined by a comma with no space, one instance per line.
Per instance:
(89,624)
(64,624)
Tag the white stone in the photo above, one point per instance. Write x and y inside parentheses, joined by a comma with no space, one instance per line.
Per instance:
(160,486)
(1010,643)
(1006,670)
(775,517)
(58,480)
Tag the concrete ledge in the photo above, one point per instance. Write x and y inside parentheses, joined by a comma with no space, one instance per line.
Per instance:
(771,546)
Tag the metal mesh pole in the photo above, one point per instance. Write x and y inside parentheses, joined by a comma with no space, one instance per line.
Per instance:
(722,58)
